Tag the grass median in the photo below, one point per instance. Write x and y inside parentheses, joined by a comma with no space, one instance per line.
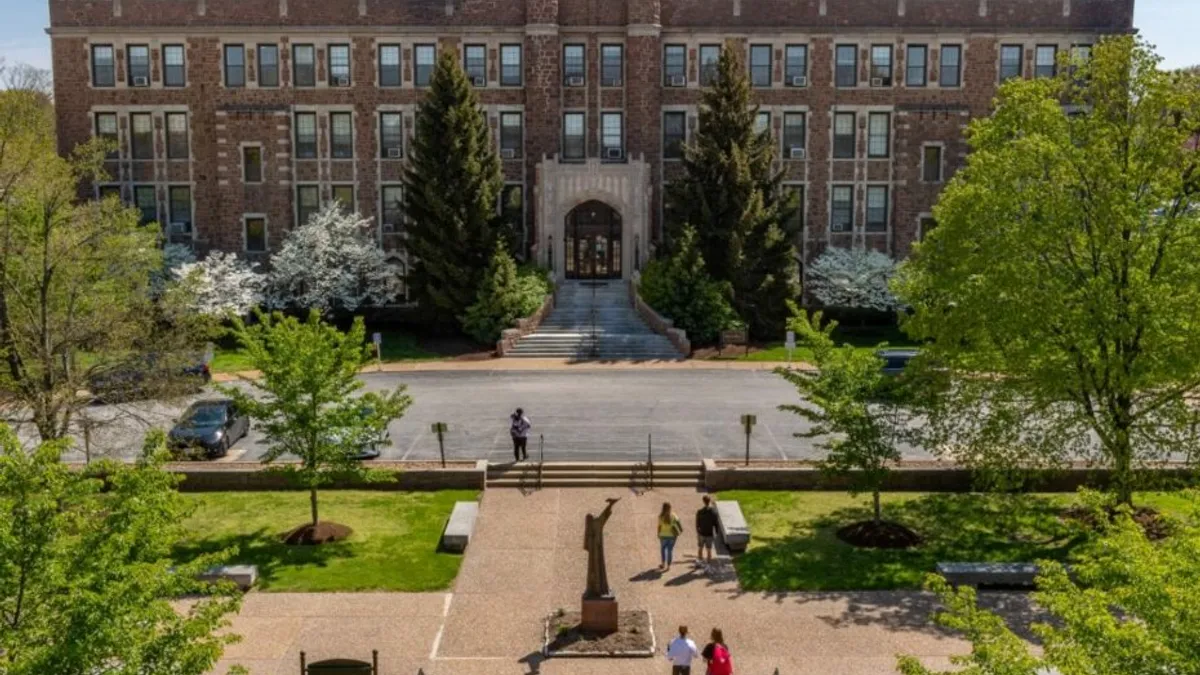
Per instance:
(394,546)
(794,546)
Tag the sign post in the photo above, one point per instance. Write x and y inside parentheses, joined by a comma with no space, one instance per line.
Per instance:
(377,338)
(439,428)
(748,422)
(790,343)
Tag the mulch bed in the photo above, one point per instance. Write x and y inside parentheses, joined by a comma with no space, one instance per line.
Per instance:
(634,636)
(323,532)
(882,534)
(1156,526)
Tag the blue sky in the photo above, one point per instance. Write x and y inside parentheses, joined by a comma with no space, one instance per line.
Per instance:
(1169,24)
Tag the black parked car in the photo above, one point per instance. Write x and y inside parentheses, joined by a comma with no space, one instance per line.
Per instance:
(365,448)
(210,426)
(149,376)
(896,360)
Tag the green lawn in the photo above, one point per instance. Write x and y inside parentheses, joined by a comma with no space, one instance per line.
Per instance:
(794,546)
(393,548)
(865,338)
(397,346)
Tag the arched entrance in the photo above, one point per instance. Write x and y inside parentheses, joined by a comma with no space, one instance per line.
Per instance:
(593,242)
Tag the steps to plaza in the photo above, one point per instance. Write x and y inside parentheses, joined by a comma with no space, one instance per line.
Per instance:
(595,321)
(636,475)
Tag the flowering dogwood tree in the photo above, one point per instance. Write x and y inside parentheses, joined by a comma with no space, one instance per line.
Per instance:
(331,263)
(853,278)
(222,284)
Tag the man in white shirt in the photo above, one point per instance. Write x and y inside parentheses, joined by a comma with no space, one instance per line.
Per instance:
(680,652)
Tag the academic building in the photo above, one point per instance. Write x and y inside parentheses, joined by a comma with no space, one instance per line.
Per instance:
(236,119)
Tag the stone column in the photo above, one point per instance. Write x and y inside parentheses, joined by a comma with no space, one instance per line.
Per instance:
(543,105)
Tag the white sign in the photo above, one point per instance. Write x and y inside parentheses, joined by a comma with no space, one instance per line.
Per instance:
(791,339)
(377,338)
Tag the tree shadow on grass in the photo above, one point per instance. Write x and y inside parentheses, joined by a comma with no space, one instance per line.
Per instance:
(265,549)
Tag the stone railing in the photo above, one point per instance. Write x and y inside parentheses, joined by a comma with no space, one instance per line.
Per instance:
(658,323)
(509,337)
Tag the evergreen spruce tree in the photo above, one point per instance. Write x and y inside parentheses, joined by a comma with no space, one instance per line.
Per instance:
(732,196)
(451,190)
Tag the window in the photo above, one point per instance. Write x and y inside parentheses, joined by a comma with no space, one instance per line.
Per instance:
(475,64)
(304,66)
(339,65)
(308,202)
(1081,54)
(931,164)
(841,213)
(138,58)
(612,65)
(256,235)
(795,220)
(174,67)
(760,65)
(793,134)
(1010,61)
(573,136)
(425,55)
(106,191)
(146,202)
(846,74)
(511,134)
(710,55)
(877,208)
(878,134)
(179,198)
(844,141)
(341,135)
(1045,61)
(106,129)
(674,134)
(392,207)
(925,225)
(235,66)
(306,135)
(795,65)
(252,170)
(762,123)
(391,135)
(511,205)
(916,66)
(104,69)
(343,196)
(177,136)
(674,66)
(950,70)
(573,69)
(268,65)
(389,65)
(881,65)
(141,144)
(612,136)
(510,65)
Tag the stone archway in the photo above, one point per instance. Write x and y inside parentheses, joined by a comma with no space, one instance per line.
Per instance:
(592,242)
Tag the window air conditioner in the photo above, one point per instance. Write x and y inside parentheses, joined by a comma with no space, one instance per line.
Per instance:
(141,82)
(341,81)
(678,81)
(799,81)
(876,81)
(178,228)
(508,153)
(478,81)
(613,153)
(796,152)
(395,153)
(575,81)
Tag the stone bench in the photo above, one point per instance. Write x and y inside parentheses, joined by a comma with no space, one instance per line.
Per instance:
(732,524)
(459,527)
(244,576)
(1008,575)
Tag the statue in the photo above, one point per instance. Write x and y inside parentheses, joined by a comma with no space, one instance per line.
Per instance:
(593,543)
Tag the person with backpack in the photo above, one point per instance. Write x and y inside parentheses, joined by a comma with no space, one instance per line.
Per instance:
(706,531)
(681,652)
(519,426)
(669,529)
(716,655)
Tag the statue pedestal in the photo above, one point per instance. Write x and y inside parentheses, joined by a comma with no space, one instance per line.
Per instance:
(599,614)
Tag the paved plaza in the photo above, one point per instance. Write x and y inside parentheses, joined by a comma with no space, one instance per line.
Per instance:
(527,559)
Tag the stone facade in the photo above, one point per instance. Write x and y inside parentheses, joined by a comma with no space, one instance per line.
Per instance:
(260,146)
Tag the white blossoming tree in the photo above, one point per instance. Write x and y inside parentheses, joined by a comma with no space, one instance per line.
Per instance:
(222,284)
(853,279)
(331,264)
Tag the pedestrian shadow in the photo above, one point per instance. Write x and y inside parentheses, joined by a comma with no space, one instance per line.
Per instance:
(532,661)
(648,575)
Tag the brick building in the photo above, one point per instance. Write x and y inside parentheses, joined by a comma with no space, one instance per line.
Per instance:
(237,118)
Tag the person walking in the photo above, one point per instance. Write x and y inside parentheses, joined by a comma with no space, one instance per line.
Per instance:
(681,652)
(519,426)
(669,529)
(716,655)
(706,531)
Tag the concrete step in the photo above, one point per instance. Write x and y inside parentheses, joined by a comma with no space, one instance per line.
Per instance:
(589,483)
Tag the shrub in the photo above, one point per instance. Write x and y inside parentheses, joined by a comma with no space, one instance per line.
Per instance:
(505,296)
(679,288)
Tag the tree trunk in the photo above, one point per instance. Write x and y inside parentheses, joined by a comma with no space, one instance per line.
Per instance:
(312,499)
(1122,458)
(878,507)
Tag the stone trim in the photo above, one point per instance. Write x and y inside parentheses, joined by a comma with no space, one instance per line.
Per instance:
(256,477)
(509,337)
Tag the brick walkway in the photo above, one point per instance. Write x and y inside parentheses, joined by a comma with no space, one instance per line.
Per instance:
(526,559)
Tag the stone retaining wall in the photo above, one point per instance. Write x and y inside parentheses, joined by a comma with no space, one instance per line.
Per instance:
(254,477)
(511,336)
(658,323)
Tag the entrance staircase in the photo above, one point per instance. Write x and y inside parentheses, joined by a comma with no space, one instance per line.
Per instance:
(632,475)
(594,320)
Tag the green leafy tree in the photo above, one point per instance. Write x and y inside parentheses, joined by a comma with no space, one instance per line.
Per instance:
(1064,266)
(452,188)
(505,296)
(1129,607)
(851,404)
(678,287)
(731,194)
(306,400)
(87,584)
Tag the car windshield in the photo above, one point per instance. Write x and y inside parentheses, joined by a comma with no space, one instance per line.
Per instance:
(205,416)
